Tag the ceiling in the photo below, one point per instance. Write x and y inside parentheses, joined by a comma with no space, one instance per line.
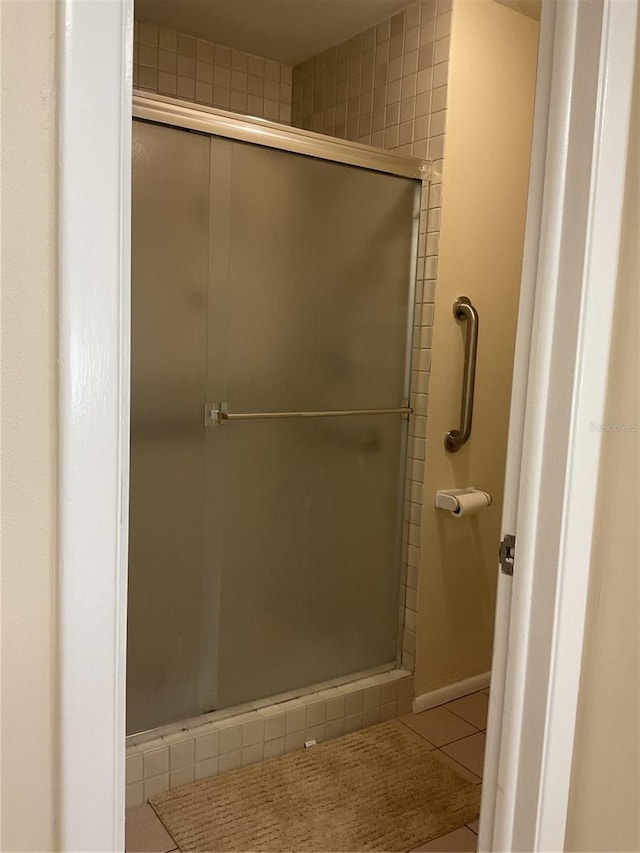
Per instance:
(288,31)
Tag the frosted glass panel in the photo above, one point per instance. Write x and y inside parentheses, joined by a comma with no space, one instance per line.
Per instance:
(169,327)
(308,547)
(309,302)
(310,280)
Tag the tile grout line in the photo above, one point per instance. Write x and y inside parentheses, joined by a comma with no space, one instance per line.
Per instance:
(440,749)
(438,837)
(446,705)
(449,742)
(464,720)
(468,769)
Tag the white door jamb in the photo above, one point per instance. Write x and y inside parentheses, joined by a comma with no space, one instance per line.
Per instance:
(593,59)
(95,42)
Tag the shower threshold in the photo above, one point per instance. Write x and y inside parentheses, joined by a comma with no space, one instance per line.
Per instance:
(168,756)
(215,716)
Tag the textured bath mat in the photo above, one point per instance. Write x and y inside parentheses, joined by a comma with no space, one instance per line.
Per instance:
(378,789)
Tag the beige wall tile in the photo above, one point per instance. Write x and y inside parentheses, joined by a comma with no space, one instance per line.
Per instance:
(171,63)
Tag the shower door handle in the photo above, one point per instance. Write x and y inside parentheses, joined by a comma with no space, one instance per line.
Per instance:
(464,310)
(217,413)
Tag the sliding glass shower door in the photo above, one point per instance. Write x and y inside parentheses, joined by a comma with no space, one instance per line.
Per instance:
(169,282)
(301,311)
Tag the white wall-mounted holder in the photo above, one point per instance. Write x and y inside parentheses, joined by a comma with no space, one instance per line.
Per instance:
(461,502)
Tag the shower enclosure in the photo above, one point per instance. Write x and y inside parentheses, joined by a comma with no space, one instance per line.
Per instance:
(272,303)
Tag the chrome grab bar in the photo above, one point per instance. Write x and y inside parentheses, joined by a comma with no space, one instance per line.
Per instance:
(217,413)
(464,310)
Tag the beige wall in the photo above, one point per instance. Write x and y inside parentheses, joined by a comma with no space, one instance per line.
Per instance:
(605,783)
(490,111)
(27,365)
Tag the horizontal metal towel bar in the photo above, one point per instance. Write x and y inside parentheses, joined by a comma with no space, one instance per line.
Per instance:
(217,413)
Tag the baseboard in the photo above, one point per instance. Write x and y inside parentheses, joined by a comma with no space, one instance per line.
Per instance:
(450,692)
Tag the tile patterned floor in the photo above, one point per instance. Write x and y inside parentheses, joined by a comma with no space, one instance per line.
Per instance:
(144,833)
(456,731)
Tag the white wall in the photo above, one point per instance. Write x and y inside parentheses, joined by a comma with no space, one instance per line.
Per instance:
(605,783)
(28,377)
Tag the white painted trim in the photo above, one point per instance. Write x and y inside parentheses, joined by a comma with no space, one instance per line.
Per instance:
(516,419)
(582,204)
(589,398)
(451,692)
(94,120)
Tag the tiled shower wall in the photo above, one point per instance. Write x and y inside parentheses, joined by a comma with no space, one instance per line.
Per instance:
(387,87)
(170,63)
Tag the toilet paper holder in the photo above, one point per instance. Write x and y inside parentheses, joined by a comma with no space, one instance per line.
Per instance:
(447,499)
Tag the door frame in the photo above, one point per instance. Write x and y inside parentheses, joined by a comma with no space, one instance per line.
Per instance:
(580,140)
(94,169)
(95,75)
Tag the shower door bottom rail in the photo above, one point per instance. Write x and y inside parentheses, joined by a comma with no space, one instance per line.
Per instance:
(216,414)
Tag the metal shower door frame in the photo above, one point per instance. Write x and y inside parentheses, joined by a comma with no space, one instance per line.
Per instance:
(215,122)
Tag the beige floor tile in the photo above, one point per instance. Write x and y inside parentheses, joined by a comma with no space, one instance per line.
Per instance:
(144,833)
(414,733)
(474,826)
(472,708)
(461,840)
(469,752)
(459,768)
(439,726)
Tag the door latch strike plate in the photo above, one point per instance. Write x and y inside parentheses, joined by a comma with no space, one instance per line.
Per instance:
(507,554)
